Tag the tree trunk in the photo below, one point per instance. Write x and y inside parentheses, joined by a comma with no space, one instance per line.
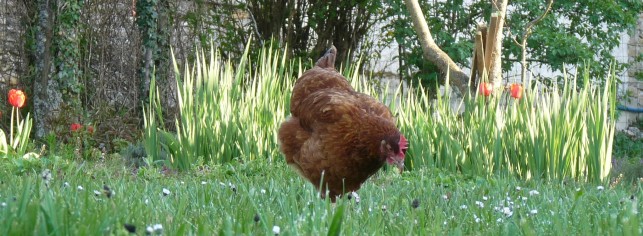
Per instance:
(46,98)
(494,39)
(432,52)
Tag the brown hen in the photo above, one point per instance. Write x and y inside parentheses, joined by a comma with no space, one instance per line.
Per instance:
(336,137)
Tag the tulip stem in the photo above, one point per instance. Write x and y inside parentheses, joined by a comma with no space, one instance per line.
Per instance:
(11,132)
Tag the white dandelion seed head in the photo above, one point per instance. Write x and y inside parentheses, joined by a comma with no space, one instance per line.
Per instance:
(3,204)
(80,188)
(276,229)
(600,187)
(445,222)
(533,192)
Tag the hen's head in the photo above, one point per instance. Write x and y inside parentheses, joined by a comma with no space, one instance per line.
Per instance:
(394,148)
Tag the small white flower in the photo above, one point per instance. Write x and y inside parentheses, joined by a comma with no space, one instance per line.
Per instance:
(182,182)
(166,192)
(508,199)
(485,198)
(80,188)
(524,198)
(149,230)
(416,221)
(383,207)
(480,204)
(370,209)
(577,189)
(66,184)
(476,219)
(518,188)
(463,207)
(3,204)
(600,187)
(204,183)
(158,228)
(356,196)
(276,229)
(533,212)
(533,192)
(147,201)
(222,184)
(499,220)
(96,192)
(263,191)
(445,197)
(507,211)
(445,222)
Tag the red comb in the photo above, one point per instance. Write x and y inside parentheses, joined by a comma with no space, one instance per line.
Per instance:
(403,143)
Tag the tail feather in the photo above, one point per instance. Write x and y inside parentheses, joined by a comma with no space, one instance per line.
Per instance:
(328,60)
(291,138)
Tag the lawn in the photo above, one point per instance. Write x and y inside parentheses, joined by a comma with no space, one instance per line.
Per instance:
(62,197)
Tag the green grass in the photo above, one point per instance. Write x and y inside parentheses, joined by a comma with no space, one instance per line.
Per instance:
(224,199)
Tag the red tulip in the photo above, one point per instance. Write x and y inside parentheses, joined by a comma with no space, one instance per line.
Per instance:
(75,127)
(486,89)
(516,91)
(17,98)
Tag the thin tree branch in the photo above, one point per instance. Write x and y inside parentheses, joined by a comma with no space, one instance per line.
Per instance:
(432,52)
(523,44)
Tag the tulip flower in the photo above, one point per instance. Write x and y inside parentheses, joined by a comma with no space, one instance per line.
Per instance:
(17,98)
(516,91)
(75,127)
(486,89)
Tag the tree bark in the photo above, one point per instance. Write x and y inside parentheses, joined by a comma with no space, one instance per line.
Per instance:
(495,66)
(432,52)
(46,98)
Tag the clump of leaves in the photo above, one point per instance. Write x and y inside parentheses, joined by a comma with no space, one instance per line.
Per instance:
(134,155)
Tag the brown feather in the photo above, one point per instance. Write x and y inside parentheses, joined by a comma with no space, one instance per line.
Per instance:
(334,135)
